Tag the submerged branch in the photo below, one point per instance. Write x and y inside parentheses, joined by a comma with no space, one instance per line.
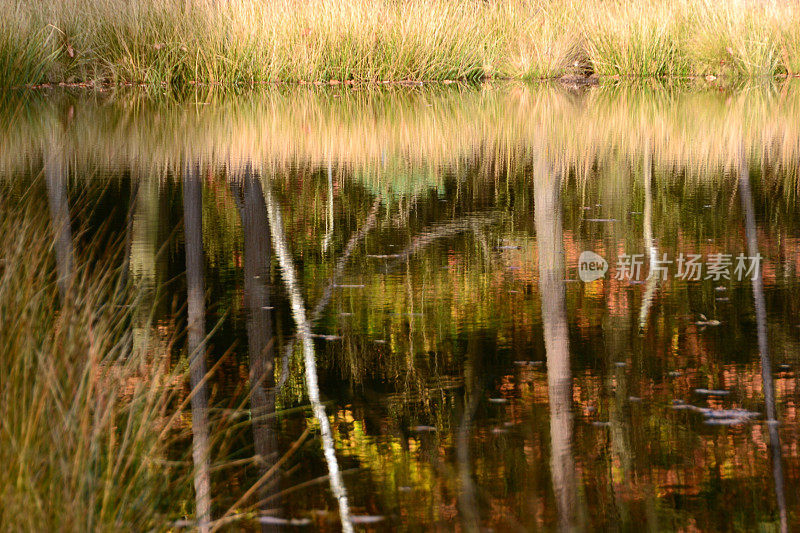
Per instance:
(443,231)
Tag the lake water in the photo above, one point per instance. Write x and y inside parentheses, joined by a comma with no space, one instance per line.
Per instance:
(470,378)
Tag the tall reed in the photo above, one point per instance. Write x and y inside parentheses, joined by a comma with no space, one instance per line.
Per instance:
(83,406)
(241,41)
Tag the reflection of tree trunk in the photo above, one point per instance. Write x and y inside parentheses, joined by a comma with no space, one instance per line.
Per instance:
(195,288)
(467,499)
(620,418)
(259,324)
(616,384)
(547,214)
(615,336)
(763,343)
(143,254)
(304,333)
(55,173)
(649,242)
(326,241)
(328,292)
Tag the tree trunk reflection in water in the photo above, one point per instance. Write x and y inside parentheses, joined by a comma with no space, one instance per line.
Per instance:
(55,175)
(326,241)
(260,338)
(309,358)
(621,424)
(195,289)
(763,342)
(547,215)
(143,256)
(327,293)
(649,241)
(467,498)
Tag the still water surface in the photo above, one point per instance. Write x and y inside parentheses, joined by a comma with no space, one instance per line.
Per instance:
(431,238)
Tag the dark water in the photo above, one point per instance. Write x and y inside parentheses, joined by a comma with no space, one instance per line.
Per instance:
(431,238)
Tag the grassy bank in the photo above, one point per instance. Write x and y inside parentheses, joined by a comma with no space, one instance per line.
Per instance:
(177,41)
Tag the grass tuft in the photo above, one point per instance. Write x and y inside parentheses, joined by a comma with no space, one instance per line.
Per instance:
(82,405)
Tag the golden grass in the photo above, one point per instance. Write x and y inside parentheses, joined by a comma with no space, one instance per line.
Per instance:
(242,41)
(83,406)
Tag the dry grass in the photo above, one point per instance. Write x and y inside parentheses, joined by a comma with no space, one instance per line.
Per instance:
(241,41)
(82,406)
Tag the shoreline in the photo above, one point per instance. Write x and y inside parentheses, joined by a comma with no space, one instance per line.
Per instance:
(568,81)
